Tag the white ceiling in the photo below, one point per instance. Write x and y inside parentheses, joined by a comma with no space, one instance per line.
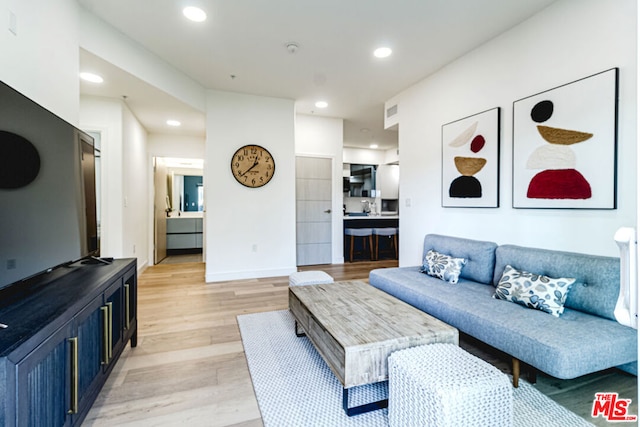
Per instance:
(334,61)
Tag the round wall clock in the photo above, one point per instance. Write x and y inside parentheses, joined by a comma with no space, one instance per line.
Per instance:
(252,166)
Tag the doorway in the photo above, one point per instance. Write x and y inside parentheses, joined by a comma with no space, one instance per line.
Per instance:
(178,210)
(313,210)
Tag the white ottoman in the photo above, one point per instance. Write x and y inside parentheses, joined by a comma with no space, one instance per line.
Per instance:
(309,278)
(440,385)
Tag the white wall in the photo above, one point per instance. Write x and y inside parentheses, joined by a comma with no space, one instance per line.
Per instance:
(322,137)
(41,61)
(135,189)
(391,156)
(179,146)
(565,42)
(367,156)
(104,115)
(363,156)
(238,218)
(125,181)
(111,45)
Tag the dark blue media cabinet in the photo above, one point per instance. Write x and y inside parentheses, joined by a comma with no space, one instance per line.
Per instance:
(64,334)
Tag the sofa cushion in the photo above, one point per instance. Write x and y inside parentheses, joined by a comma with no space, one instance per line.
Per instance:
(533,290)
(479,255)
(443,266)
(565,347)
(597,277)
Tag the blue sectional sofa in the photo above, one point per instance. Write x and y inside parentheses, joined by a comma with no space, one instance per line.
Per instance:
(585,338)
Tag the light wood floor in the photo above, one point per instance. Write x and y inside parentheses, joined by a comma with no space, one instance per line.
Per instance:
(189,366)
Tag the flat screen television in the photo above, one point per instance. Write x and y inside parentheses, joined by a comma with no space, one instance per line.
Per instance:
(47,190)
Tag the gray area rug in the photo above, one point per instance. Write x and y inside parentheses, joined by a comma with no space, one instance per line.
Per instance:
(295,387)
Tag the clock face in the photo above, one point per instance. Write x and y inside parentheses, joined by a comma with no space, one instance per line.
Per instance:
(252,166)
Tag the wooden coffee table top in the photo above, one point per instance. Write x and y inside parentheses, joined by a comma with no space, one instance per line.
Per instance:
(355,327)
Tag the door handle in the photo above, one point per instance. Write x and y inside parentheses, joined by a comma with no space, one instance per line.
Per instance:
(127,305)
(327,211)
(105,334)
(74,375)
(110,306)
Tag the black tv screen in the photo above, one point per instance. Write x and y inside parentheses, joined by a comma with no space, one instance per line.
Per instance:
(47,190)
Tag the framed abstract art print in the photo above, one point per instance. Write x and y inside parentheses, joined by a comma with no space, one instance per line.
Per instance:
(470,153)
(564,145)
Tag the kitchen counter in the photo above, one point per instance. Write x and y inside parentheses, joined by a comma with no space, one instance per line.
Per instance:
(363,217)
(186,214)
(374,221)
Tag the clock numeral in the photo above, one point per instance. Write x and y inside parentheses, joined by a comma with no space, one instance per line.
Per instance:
(252,166)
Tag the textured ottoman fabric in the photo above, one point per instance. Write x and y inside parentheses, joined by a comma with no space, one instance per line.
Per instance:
(442,385)
(309,278)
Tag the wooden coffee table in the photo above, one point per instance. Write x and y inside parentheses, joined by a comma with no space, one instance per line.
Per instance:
(355,327)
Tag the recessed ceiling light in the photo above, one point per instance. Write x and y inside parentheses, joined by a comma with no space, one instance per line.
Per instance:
(91,77)
(195,14)
(322,104)
(382,52)
(174,123)
(373,146)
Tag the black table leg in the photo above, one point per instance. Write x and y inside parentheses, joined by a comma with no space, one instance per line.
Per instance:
(357,410)
(299,331)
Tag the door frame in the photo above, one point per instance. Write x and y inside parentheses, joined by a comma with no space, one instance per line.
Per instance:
(151,195)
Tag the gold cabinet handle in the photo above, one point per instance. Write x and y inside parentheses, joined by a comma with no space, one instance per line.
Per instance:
(105,334)
(74,375)
(110,306)
(127,306)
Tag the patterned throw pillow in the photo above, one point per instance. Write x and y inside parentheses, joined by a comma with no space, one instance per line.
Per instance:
(443,266)
(534,290)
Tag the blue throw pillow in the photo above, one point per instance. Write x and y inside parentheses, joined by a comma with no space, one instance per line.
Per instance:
(442,266)
(534,290)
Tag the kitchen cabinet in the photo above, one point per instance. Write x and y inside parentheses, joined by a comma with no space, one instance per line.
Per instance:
(63,338)
(388,181)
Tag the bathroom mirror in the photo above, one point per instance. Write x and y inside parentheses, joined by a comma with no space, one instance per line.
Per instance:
(187,192)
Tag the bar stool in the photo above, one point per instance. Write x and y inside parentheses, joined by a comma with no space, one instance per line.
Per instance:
(360,232)
(391,233)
